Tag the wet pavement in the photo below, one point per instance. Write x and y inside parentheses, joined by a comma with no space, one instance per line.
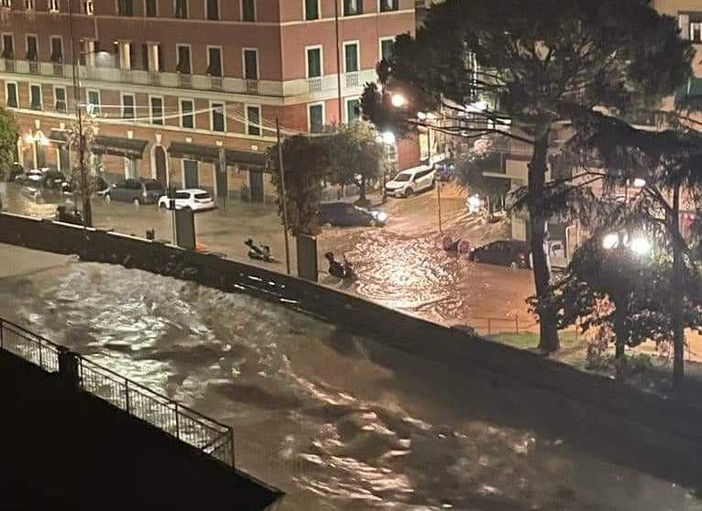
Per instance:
(401,265)
(337,421)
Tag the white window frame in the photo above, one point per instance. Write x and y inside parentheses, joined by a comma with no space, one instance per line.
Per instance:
(221,56)
(309,117)
(157,9)
(307,60)
(6,4)
(192,113)
(154,57)
(7,83)
(41,96)
(393,10)
(358,55)
(65,97)
(341,9)
(29,5)
(53,5)
(696,31)
(134,105)
(241,12)
(99,96)
(151,110)
(243,63)
(121,43)
(224,115)
(319,11)
(219,11)
(12,36)
(51,46)
(260,119)
(26,45)
(346,103)
(187,8)
(380,45)
(88,7)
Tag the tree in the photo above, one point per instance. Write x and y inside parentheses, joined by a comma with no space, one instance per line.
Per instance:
(666,165)
(83,182)
(305,163)
(356,156)
(530,62)
(485,156)
(9,133)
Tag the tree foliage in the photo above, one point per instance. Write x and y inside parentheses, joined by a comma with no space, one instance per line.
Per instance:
(533,62)
(9,133)
(356,156)
(485,156)
(306,163)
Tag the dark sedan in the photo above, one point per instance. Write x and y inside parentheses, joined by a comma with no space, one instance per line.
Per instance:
(512,253)
(136,191)
(343,214)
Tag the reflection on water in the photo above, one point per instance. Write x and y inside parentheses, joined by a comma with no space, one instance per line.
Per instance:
(334,420)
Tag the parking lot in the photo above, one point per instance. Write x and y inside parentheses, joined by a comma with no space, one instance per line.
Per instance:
(401,265)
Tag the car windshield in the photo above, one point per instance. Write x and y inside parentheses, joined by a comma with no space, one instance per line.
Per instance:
(402,177)
(152,185)
(202,195)
(182,195)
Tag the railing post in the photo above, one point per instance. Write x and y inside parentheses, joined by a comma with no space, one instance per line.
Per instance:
(177,421)
(126,394)
(231,445)
(2,334)
(41,355)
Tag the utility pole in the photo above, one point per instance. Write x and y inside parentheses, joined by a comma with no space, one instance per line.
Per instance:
(281,168)
(338,61)
(87,209)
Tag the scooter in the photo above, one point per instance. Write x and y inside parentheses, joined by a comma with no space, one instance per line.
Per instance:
(344,271)
(259,252)
(74,217)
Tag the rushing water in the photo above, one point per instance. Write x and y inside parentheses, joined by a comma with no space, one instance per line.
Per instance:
(336,421)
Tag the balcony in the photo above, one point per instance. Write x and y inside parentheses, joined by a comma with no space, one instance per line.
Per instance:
(185,80)
(252,86)
(315,84)
(217,83)
(58,69)
(352,79)
(33,67)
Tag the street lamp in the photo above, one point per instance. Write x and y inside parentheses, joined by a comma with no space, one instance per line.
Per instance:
(398,100)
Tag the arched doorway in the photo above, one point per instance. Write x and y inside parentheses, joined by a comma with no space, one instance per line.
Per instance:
(160,163)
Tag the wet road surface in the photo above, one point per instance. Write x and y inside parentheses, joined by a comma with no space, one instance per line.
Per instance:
(336,421)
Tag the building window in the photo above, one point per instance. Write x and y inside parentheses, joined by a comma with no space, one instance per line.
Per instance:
(353,110)
(387,48)
(217,118)
(53,5)
(351,57)
(87,52)
(251,64)
(56,50)
(388,5)
(128,106)
(6,4)
(316,118)
(353,7)
(311,10)
(29,5)
(125,7)
(156,105)
(8,46)
(213,10)
(151,9)
(93,102)
(88,7)
(314,62)
(32,52)
(11,95)
(248,10)
(35,102)
(60,99)
(152,57)
(696,32)
(181,9)
(125,54)
(187,117)
(214,61)
(253,120)
(183,59)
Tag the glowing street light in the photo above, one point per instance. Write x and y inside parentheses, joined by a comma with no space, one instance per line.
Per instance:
(398,100)
(640,246)
(610,241)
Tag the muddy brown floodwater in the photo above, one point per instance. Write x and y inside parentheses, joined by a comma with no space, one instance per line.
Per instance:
(337,421)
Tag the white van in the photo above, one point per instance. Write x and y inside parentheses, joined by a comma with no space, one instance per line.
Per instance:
(411,181)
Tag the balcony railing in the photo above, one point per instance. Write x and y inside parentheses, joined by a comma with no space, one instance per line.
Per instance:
(216,83)
(185,80)
(252,86)
(203,433)
(315,84)
(352,79)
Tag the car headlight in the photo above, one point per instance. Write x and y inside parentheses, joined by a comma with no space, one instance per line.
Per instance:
(381,216)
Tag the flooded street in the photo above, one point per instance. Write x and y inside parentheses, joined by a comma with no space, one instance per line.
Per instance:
(336,421)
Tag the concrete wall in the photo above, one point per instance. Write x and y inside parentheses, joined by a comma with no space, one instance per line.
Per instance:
(657,427)
(64,449)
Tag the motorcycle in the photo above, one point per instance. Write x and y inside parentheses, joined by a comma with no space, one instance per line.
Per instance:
(74,217)
(344,271)
(259,252)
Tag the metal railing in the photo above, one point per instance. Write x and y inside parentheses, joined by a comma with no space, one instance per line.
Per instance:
(181,422)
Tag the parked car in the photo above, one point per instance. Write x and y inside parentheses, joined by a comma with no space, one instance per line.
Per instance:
(343,214)
(101,186)
(192,198)
(31,177)
(411,181)
(512,253)
(14,171)
(136,191)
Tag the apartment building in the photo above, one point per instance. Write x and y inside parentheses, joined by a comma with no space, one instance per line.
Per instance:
(188,91)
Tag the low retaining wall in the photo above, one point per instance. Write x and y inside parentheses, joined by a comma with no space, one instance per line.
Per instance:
(449,347)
